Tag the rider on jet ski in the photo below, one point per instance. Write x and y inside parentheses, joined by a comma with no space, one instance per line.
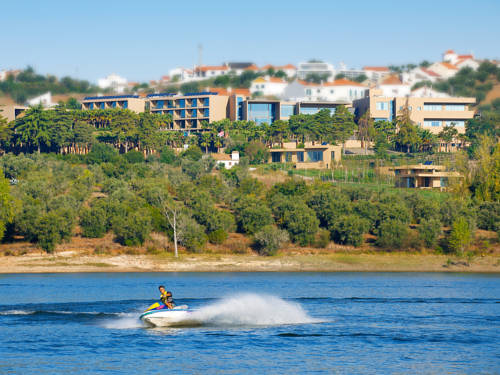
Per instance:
(166,297)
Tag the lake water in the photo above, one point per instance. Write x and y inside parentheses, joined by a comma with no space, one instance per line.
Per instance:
(259,323)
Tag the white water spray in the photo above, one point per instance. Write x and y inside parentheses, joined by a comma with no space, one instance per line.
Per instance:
(251,309)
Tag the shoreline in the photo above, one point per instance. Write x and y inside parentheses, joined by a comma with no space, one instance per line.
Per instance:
(69,262)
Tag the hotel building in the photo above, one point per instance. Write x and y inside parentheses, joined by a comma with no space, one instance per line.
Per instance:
(132,102)
(192,110)
(429,110)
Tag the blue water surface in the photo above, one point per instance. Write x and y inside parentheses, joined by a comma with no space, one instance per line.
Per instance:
(343,323)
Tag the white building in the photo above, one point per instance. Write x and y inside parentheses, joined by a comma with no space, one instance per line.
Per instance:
(289,69)
(392,86)
(428,92)
(460,61)
(419,74)
(181,74)
(113,81)
(340,90)
(45,100)
(268,86)
(205,71)
(228,161)
(376,73)
(319,68)
(350,73)
(444,69)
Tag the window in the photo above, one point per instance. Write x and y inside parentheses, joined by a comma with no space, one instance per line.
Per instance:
(102,105)
(182,103)
(194,113)
(194,103)
(261,112)
(276,157)
(113,104)
(300,156)
(170,104)
(433,107)
(239,104)
(419,108)
(331,91)
(382,106)
(456,123)
(288,157)
(183,113)
(287,110)
(207,112)
(308,92)
(125,104)
(159,104)
(315,156)
(91,106)
(410,107)
(206,102)
(455,107)
(433,123)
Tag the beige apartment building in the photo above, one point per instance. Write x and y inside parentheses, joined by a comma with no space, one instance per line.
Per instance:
(190,111)
(131,102)
(431,112)
(313,155)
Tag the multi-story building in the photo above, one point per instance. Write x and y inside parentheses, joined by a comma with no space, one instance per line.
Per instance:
(269,110)
(431,112)
(114,82)
(315,67)
(191,110)
(132,102)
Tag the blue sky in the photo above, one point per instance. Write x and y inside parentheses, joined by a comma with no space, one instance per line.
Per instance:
(142,40)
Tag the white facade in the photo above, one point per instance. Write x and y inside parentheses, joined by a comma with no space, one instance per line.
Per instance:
(376,73)
(268,86)
(338,91)
(419,74)
(320,68)
(3,75)
(227,161)
(350,73)
(44,99)
(444,69)
(114,82)
(427,92)
(183,74)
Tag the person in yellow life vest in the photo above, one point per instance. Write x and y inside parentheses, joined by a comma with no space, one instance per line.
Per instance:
(166,297)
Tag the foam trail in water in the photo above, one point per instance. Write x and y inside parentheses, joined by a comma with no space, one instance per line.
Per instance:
(17,312)
(124,321)
(252,309)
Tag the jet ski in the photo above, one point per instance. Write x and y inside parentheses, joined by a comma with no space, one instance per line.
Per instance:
(159,316)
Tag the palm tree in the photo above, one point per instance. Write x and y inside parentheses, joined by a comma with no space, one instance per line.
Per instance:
(448,134)
(206,140)
(33,128)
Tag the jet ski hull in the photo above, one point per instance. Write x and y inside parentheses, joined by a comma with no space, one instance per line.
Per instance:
(168,318)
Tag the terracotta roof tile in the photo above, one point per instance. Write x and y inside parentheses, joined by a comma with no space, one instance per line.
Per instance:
(430,72)
(376,68)
(392,80)
(449,66)
(207,68)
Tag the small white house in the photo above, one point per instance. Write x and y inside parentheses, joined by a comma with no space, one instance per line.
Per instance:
(340,90)
(114,82)
(268,86)
(228,161)
(392,86)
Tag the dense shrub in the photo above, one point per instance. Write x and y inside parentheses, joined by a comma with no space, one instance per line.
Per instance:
(349,230)
(322,238)
(252,215)
(93,222)
(392,234)
(168,156)
(218,236)
(193,153)
(133,228)
(488,216)
(102,153)
(329,205)
(429,232)
(134,157)
(191,234)
(301,224)
(269,239)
